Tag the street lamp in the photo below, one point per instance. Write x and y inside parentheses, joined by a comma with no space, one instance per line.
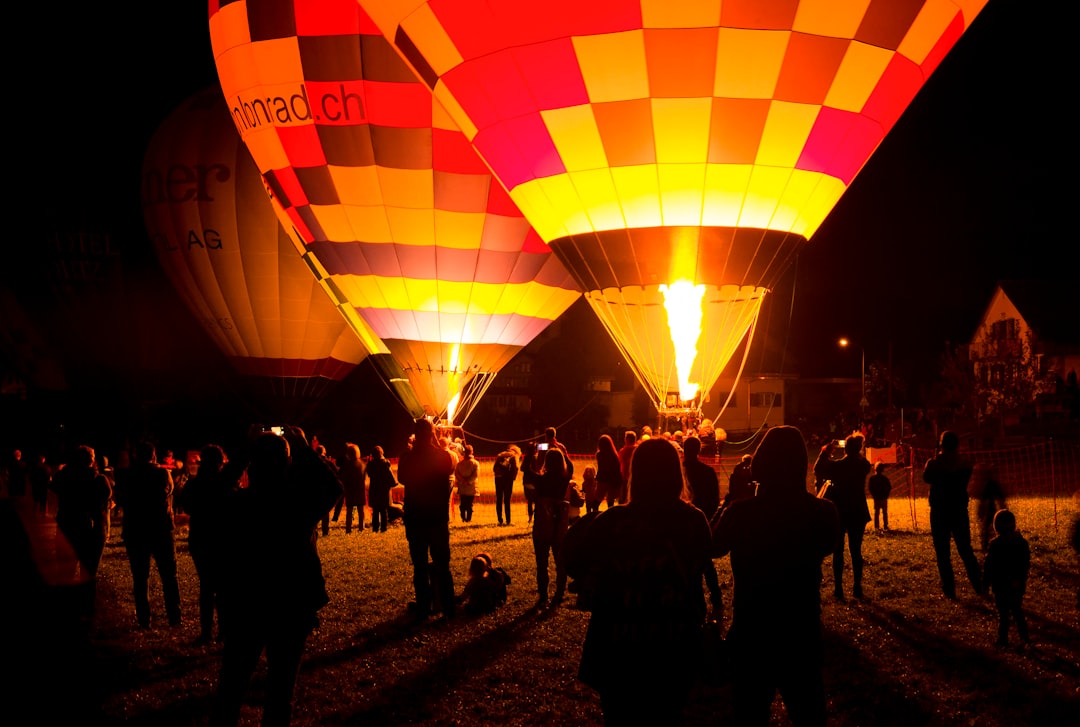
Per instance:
(844,343)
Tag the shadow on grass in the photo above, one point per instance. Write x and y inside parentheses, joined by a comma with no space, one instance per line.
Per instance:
(997,691)
(419,696)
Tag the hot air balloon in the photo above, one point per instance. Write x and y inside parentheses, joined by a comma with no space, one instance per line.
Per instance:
(675,155)
(221,244)
(399,215)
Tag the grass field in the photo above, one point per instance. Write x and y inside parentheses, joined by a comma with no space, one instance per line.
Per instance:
(905,655)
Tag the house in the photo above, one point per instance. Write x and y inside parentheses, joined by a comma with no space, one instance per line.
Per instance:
(1027,344)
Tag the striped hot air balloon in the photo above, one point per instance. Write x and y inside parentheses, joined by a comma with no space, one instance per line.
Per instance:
(675,155)
(221,244)
(398,214)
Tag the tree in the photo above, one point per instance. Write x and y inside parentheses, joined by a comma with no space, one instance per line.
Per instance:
(994,377)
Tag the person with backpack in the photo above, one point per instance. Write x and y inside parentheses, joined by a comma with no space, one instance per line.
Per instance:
(505,470)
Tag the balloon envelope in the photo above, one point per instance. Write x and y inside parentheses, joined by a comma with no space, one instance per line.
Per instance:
(399,216)
(221,244)
(654,143)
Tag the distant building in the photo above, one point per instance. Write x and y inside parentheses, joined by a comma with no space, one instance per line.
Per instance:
(1028,343)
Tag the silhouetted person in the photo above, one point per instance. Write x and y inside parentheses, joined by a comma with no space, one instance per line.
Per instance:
(380,481)
(1008,561)
(273,587)
(206,499)
(83,497)
(705,496)
(320,451)
(352,480)
(486,587)
(466,473)
(741,482)
(425,470)
(880,487)
(550,522)
(554,443)
(530,473)
(626,454)
(948,473)
(17,480)
(40,476)
(848,493)
(777,541)
(989,498)
(1074,540)
(645,562)
(505,468)
(144,491)
(609,480)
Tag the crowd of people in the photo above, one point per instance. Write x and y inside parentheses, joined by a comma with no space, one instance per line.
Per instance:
(642,556)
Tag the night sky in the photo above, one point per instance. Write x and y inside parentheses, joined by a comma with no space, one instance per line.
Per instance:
(969,187)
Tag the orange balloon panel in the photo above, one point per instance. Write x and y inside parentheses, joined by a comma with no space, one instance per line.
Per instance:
(651,142)
(658,113)
(399,216)
(221,244)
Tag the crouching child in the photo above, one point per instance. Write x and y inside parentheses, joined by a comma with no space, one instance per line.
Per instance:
(486,588)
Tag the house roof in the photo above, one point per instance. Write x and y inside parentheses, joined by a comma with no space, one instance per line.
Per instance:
(1050,308)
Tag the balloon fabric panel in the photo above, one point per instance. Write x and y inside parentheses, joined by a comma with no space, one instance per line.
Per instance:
(230,259)
(397,212)
(684,143)
(800,57)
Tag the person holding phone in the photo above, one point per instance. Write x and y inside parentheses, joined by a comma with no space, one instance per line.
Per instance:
(550,442)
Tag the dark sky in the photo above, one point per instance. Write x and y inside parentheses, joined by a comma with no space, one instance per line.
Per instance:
(969,187)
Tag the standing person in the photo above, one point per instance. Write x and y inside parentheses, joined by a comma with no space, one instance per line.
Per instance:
(704,495)
(273,586)
(989,498)
(741,481)
(645,562)
(466,473)
(320,451)
(83,498)
(706,432)
(505,469)
(626,453)
(40,476)
(530,473)
(206,499)
(1006,571)
(593,497)
(777,541)
(1074,540)
(609,479)
(848,493)
(425,470)
(352,481)
(554,443)
(880,487)
(16,475)
(550,523)
(948,473)
(380,481)
(144,492)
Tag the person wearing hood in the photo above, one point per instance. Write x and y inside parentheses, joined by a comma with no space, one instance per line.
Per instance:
(777,541)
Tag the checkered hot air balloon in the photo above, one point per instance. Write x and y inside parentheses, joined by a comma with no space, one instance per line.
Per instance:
(398,215)
(221,244)
(675,155)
